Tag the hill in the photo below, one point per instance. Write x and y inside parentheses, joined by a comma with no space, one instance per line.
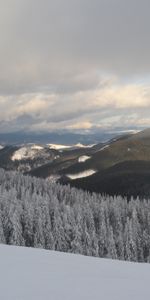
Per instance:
(38,274)
(129,178)
(119,166)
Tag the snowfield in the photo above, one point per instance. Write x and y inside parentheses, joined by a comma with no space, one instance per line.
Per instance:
(81,174)
(83,158)
(27,152)
(24,153)
(61,147)
(33,274)
(58,147)
(37,147)
(1,147)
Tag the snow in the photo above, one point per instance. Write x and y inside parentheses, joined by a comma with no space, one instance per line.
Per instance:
(26,152)
(1,147)
(79,145)
(81,174)
(83,158)
(60,147)
(53,178)
(37,147)
(33,274)
(57,146)
(105,147)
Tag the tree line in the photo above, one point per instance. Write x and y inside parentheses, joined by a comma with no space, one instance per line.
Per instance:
(42,214)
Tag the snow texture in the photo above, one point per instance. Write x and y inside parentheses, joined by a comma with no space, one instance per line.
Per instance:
(57,146)
(26,152)
(53,178)
(37,147)
(81,174)
(31,274)
(61,147)
(83,158)
(79,145)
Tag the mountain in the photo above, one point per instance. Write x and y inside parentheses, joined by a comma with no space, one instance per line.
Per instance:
(121,167)
(30,157)
(60,137)
(129,178)
(26,157)
(118,166)
(39,274)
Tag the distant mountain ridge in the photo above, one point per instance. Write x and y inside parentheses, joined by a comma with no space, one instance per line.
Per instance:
(118,166)
(60,137)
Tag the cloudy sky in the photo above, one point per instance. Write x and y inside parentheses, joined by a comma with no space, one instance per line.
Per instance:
(74,64)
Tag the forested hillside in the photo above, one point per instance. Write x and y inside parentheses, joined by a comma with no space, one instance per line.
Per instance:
(38,213)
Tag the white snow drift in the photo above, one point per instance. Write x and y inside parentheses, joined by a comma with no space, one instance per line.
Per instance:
(81,174)
(31,274)
(83,158)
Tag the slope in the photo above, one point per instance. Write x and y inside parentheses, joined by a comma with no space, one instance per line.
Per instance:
(38,274)
(129,178)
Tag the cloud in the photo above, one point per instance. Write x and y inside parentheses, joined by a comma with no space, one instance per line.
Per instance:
(110,103)
(79,70)
(42,45)
(81,125)
(123,96)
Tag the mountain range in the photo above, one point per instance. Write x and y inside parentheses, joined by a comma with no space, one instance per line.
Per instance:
(119,166)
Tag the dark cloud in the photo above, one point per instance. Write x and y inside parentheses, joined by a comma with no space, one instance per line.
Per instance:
(47,43)
(70,49)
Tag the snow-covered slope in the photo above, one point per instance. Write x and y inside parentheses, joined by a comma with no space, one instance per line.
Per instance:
(27,152)
(61,147)
(58,147)
(83,158)
(83,174)
(1,147)
(31,274)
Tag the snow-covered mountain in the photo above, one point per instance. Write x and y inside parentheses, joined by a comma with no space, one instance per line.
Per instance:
(25,157)
(31,274)
(27,152)
(103,168)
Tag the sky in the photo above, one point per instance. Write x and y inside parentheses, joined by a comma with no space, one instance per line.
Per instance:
(76,65)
